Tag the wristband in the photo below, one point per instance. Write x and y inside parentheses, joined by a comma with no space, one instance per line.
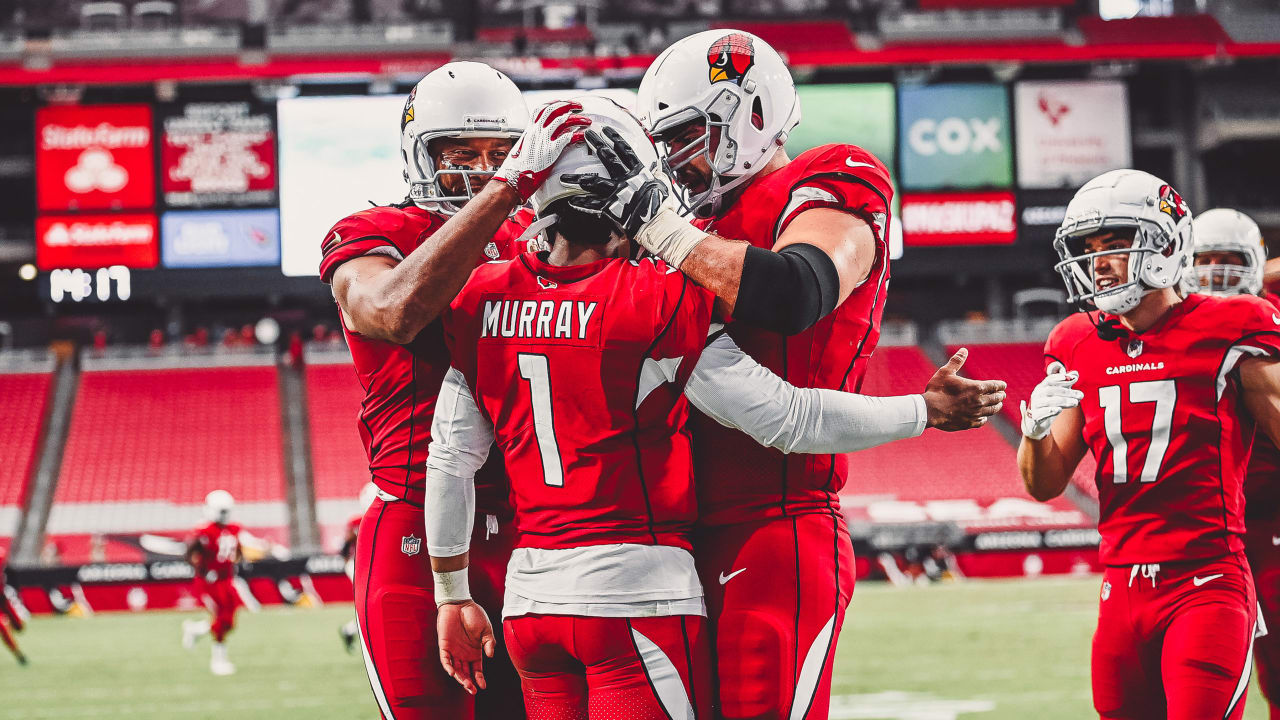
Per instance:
(452,587)
(670,237)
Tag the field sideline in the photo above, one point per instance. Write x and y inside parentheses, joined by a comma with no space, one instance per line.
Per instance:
(980,650)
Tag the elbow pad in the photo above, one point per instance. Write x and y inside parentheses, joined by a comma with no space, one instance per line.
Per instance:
(787,291)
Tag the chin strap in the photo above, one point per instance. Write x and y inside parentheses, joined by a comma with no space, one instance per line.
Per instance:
(537,226)
(1109,329)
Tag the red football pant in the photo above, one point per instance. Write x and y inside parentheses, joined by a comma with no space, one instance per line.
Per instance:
(1264,558)
(776,597)
(220,597)
(396,613)
(643,668)
(1176,645)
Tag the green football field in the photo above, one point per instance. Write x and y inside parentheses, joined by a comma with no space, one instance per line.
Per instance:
(981,650)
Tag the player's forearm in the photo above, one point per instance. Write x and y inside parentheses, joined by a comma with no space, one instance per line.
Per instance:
(716,264)
(407,298)
(449,513)
(1044,468)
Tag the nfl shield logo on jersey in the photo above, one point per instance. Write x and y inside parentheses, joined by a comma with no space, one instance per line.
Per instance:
(1106,590)
(1134,349)
(410,545)
(491,250)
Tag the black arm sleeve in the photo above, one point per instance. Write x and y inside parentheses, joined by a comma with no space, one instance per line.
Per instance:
(788,291)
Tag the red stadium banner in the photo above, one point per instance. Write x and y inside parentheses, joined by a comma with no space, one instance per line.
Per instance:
(939,219)
(95,241)
(218,154)
(94,157)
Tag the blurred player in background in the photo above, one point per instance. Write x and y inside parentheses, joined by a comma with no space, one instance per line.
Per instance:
(10,613)
(1229,258)
(214,552)
(1165,392)
(393,269)
(797,253)
(351,629)
(600,460)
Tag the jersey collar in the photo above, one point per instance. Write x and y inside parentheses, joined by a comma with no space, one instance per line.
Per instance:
(537,264)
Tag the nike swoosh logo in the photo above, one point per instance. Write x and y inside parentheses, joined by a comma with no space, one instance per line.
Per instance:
(852,164)
(1198,581)
(726,578)
(1275,318)
(1275,539)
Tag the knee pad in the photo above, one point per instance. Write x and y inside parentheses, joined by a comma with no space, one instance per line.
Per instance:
(755,652)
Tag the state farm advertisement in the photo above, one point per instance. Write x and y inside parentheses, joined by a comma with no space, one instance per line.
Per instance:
(937,219)
(94,241)
(1070,131)
(94,157)
(218,154)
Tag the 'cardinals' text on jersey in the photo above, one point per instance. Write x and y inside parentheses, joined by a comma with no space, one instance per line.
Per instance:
(738,480)
(571,365)
(401,381)
(217,550)
(1164,421)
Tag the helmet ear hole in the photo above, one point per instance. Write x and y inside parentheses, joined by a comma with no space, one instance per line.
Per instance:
(757,113)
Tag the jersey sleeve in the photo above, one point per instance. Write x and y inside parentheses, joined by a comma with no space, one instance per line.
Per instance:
(368,232)
(683,324)
(1259,335)
(845,178)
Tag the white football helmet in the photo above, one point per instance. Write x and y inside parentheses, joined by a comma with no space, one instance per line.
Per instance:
(217,507)
(580,158)
(732,81)
(1228,231)
(457,100)
(1124,199)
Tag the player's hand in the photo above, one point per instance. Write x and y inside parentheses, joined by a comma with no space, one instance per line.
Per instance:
(554,127)
(465,638)
(957,403)
(1053,395)
(632,194)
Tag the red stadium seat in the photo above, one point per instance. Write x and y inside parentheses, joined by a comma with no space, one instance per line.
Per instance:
(935,468)
(339,464)
(25,398)
(1173,30)
(145,446)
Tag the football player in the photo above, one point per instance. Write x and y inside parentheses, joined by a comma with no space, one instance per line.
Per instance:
(1165,392)
(214,551)
(11,613)
(1229,259)
(368,493)
(796,251)
(575,362)
(393,269)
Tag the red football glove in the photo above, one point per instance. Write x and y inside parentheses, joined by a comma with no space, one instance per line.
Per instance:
(548,134)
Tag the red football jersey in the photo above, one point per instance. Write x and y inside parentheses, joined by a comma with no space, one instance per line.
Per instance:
(1262,484)
(219,549)
(738,480)
(1164,421)
(401,381)
(570,364)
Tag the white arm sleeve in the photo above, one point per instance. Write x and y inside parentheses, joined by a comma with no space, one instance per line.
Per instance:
(460,442)
(733,389)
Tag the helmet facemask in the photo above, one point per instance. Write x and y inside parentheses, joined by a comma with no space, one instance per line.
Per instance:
(1228,279)
(428,186)
(716,119)
(1079,268)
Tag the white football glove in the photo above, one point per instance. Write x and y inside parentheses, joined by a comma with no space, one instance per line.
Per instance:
(1053,395)
(555,126)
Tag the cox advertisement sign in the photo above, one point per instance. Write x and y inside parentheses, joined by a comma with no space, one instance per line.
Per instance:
(955,136)
(934,219)
(1070,131)
(96,241)
(94,157)
(219,238)
(218,154)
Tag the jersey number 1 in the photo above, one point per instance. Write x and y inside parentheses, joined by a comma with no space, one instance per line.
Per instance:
(537,370)
(1164,393)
